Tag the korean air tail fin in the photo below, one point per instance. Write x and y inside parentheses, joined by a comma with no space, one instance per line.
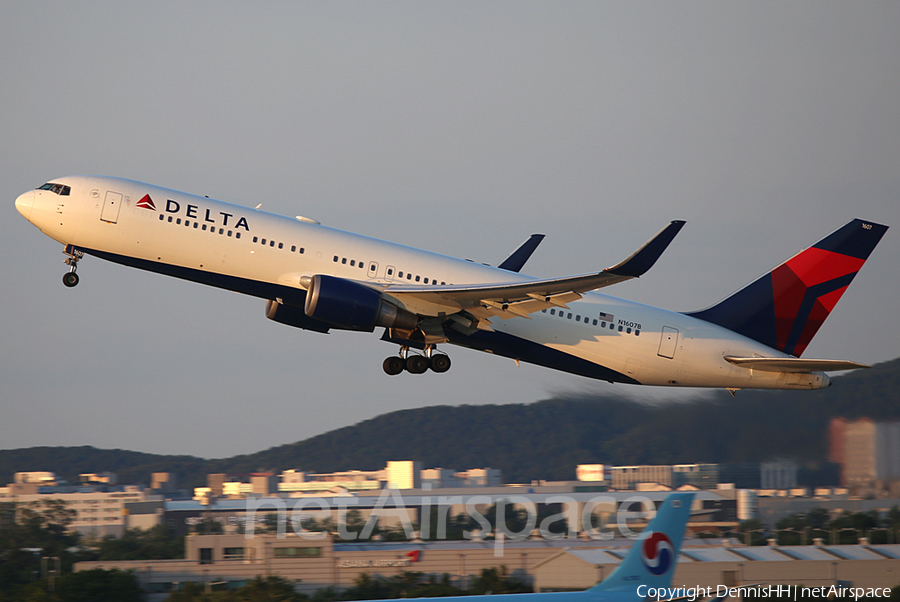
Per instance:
(785,308)
(652,559)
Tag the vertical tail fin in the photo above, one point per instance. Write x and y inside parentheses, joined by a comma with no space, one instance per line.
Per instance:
(785,308)
(652,559)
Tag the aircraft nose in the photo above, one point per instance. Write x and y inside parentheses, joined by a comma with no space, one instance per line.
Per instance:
(25,203)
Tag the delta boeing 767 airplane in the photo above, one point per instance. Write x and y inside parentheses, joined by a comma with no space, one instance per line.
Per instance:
(319,278)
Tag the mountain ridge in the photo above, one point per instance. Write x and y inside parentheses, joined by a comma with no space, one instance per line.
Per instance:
(541,440)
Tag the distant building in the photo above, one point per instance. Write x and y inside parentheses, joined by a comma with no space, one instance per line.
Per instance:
(403,474)
(593,472)
(97,513)
(701,476)
(104,478)
(778,474)
(628,477)
(481,477)
(38,477)
(163,482)
(868,452)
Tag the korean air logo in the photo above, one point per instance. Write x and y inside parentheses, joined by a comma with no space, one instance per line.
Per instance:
(146,203)
(657,553)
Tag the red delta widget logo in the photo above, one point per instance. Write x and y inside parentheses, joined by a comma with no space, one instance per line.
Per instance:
(657,553)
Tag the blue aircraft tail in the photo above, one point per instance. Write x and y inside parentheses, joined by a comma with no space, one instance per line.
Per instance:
(653,557)
(785,308)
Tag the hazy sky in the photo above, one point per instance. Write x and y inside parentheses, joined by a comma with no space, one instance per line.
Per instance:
(461,127)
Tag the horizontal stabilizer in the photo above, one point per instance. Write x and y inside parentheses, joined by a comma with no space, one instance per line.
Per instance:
(792,364)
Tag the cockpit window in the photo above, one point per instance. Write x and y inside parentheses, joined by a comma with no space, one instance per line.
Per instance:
(56,188)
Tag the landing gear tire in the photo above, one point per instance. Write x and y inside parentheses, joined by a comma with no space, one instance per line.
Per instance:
(440,362)
(393,365)
(70,279)
(416,364)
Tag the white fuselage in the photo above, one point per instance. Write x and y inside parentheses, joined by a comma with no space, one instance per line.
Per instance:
(222,244)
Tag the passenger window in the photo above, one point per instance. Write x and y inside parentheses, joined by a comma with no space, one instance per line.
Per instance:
(293,248)
(187,223)
(352,263)
(409,276)
(237,234)
(170,219)
(628,331)
(178,221)
(263,241)
(221,230)
(612,326)
(595,322)
(620,328)
(426,281)
(281,245)
(255,238)
(569,316)
(552,312)
(390,272)
(271,243)
(417,278)
(637,333)
(301,250)
(162,217)
(195,225)
(344,261)
(578,318)
(400,274)
(229,233)
(335,258)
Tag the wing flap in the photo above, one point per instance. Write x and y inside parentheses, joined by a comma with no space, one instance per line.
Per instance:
(792,364)
(515,299)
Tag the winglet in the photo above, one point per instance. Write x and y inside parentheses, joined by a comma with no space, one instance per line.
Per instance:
(514,262)
(644,258)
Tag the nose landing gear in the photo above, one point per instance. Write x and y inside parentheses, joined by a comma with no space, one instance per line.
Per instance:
(415,363)
(73,256)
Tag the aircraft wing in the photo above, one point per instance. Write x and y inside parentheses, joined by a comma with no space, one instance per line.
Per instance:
(792,364)
(511,299)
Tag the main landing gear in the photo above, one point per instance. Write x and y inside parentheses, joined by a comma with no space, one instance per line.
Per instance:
(73,256)
(415,363)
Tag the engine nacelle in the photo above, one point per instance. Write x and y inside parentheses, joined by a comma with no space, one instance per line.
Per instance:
(352,306)
(293,316)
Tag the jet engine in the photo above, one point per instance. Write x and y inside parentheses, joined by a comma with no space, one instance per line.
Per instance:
(293,315)
(350,305)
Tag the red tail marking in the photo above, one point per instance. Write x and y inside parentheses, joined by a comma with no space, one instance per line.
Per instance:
(815,266)
(788,292)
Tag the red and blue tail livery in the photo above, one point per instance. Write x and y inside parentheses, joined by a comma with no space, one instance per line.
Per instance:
(785,308)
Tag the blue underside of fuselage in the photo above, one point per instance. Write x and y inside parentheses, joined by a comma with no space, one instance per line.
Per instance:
(498,343)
